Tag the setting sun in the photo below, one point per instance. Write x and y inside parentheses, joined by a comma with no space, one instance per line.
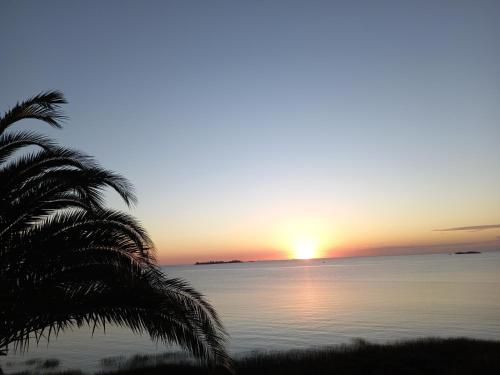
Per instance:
(305,248)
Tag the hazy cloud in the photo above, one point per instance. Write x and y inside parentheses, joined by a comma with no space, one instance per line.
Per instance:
(470,228)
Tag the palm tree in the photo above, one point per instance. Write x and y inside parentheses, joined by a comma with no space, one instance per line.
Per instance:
(67,260)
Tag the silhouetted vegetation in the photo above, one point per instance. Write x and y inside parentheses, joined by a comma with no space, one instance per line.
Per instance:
(67,260)
(418,357)
(426,356)
(40,364)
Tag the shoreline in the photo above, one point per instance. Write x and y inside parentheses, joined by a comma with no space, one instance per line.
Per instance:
(418,356)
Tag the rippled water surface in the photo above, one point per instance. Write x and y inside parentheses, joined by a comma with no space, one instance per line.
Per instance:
(297,304)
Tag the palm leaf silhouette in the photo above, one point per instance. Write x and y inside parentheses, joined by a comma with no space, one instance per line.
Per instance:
(67,260)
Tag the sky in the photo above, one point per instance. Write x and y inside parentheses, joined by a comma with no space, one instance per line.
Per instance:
(265,129)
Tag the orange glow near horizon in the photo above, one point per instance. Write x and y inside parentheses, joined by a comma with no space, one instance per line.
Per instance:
(303,237)
(305,248)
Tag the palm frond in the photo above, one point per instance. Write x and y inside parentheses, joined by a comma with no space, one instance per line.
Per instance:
(68,261)
(44,106)
(12,142)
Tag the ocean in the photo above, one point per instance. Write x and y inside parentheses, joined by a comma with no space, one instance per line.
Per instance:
(291,304)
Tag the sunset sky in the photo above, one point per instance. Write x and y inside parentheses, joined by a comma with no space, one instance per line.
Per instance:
(251,129)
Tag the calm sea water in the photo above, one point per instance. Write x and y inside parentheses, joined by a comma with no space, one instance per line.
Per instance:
(299,304)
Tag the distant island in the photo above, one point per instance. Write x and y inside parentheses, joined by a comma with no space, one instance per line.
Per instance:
(219,262)
(467,252)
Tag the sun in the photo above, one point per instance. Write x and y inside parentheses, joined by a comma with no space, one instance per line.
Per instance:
(305,248)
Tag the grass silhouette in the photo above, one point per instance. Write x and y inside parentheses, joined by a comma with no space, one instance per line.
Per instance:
(458,356)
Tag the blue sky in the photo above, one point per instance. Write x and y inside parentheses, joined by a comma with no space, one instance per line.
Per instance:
(242,123)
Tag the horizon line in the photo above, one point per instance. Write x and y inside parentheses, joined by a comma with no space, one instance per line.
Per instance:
(330,257)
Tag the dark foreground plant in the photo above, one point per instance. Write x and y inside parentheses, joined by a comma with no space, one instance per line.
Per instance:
(458,356)
(66,260)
